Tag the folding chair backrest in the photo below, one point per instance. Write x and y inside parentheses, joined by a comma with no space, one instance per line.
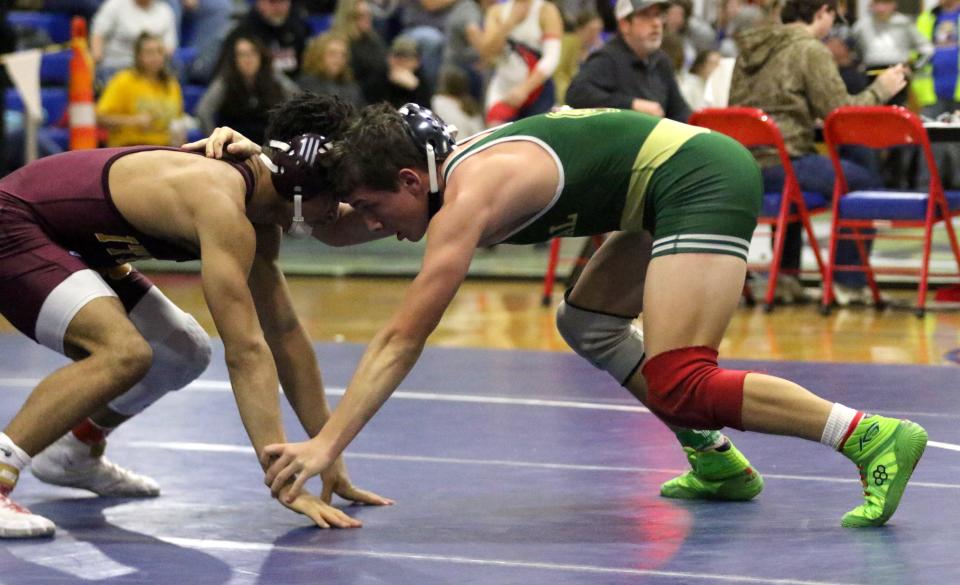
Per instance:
(749,126)
(873,126)
(877,127)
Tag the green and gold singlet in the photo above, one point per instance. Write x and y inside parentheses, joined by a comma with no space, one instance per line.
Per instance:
(694,190)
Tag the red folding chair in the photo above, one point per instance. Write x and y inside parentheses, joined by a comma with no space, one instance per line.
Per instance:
(884,127)
(752,127)
(550,278)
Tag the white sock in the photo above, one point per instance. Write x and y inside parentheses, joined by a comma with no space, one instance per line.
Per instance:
(12,455)
(840,424)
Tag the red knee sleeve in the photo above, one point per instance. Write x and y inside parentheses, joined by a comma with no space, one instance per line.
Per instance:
(685,387)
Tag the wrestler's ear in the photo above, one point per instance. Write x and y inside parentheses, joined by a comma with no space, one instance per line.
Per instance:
(409,179)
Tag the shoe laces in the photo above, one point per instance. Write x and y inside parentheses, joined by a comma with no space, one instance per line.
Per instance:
(869,497)
(117,473)
(7,504)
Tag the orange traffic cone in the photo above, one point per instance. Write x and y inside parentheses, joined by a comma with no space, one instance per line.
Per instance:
(83,117)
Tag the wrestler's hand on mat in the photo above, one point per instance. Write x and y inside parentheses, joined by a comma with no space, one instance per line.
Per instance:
(336,481)
(322,513)
(225,137)
(292,464)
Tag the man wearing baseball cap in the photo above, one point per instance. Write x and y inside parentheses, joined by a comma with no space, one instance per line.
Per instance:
(630,71)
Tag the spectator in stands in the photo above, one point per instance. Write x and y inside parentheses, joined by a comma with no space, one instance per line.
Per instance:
(464,38)
(404,83)
(84,8)
(454,103)
(7,45)
(694,82)
(326,68)
(282,31)
(631,71)
(141,105)
(787,71)
(425,21)
(368,52)
(117,26)
(737,16)
(522,40)
(885,37)
(575,47)
(697,34)
(936,87)
(245,90)
(204,24)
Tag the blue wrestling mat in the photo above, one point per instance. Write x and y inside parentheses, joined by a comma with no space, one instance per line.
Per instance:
(508,467)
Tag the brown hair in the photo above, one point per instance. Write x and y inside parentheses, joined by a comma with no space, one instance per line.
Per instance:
(266,88)
(344,18)
(804,10)
(374,149)
(454,83)
(313,56)
(164,74)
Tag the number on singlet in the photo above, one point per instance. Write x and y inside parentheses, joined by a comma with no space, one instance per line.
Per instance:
(123,248)
(584,113)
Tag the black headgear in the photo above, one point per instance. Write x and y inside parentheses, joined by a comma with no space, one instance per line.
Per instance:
(298,167)
(437,140)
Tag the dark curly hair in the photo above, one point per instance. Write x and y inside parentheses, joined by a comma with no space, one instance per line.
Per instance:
(327,115)
(374,149)
(805,10)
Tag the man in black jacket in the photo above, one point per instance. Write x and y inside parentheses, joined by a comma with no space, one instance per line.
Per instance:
(630,71)
(282,30)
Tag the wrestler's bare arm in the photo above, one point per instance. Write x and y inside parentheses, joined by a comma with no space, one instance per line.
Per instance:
(227,244)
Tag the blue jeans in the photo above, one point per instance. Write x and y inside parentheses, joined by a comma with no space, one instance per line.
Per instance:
(205,28)
(815,174)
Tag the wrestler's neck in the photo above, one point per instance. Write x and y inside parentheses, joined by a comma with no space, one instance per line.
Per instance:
(266,205)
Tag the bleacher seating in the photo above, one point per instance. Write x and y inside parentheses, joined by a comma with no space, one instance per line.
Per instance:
(55,68)
(56,24)
(60,135)
(191,97)
(183,57)
(319,23)
(53,99)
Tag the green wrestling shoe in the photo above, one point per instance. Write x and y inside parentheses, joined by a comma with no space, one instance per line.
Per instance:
(715,475)
(886,451)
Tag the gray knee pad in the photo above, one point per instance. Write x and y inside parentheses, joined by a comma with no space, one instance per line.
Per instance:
(608,342)
(181,351)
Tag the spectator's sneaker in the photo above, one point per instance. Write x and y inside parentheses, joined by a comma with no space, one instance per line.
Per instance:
(846,296)
(71,463)
(789,290)
(16,521)
(714,474)
(886,451)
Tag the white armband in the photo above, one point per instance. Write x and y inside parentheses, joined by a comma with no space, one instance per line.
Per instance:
(550,58)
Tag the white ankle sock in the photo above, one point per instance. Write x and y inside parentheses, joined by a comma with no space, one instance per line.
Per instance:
(11,454)
(840,424)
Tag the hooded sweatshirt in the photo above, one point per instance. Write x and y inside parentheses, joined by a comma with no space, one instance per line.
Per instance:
(790,75)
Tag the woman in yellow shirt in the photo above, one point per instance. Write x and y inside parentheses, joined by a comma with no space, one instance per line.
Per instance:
(139,105)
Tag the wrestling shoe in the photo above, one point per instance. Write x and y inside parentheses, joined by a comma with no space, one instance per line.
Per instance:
(715,475)
(71,463)
(886,451)
(17,521)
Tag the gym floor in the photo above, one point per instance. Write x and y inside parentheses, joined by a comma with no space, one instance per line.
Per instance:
(512,461)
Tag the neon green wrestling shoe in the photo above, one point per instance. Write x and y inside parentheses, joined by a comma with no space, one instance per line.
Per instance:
(715,475)
(886,451)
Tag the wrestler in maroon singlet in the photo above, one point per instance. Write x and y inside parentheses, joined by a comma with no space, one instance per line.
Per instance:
(57,217)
